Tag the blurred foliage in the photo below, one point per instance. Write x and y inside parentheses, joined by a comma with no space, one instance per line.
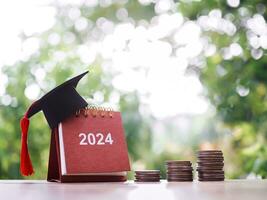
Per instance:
(244,117)
(237,89)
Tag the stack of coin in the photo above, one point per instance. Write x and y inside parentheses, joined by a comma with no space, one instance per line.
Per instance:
(147,176)
(210,165)
(178,170)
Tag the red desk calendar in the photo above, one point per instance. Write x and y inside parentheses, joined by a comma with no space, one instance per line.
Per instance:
(89,147)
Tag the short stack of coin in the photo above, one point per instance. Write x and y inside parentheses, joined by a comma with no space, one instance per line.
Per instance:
(210,165)
(178,171)
(147,176)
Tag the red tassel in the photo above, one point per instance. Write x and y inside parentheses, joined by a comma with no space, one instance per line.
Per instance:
(26,168)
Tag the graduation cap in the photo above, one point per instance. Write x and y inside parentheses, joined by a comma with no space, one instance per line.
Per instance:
(57,105)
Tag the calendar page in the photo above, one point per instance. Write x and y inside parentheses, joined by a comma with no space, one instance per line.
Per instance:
(93,144)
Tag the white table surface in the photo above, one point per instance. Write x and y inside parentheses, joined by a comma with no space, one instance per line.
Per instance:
(229,189)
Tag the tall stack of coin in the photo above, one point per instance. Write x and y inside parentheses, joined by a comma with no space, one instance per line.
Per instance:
(147,176)
(210,165)
(178,170)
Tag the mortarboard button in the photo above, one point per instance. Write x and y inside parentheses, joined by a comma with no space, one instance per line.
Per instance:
(57,105)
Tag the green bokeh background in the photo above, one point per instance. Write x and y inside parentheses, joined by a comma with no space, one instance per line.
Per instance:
(239,128)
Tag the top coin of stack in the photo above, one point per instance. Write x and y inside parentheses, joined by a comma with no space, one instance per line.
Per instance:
(178,170)
(210,165)
(147,176)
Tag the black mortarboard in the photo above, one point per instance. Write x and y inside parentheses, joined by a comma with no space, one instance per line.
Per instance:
(57,105)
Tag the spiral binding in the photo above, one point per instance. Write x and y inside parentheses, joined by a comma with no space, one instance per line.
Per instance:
(95,111)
